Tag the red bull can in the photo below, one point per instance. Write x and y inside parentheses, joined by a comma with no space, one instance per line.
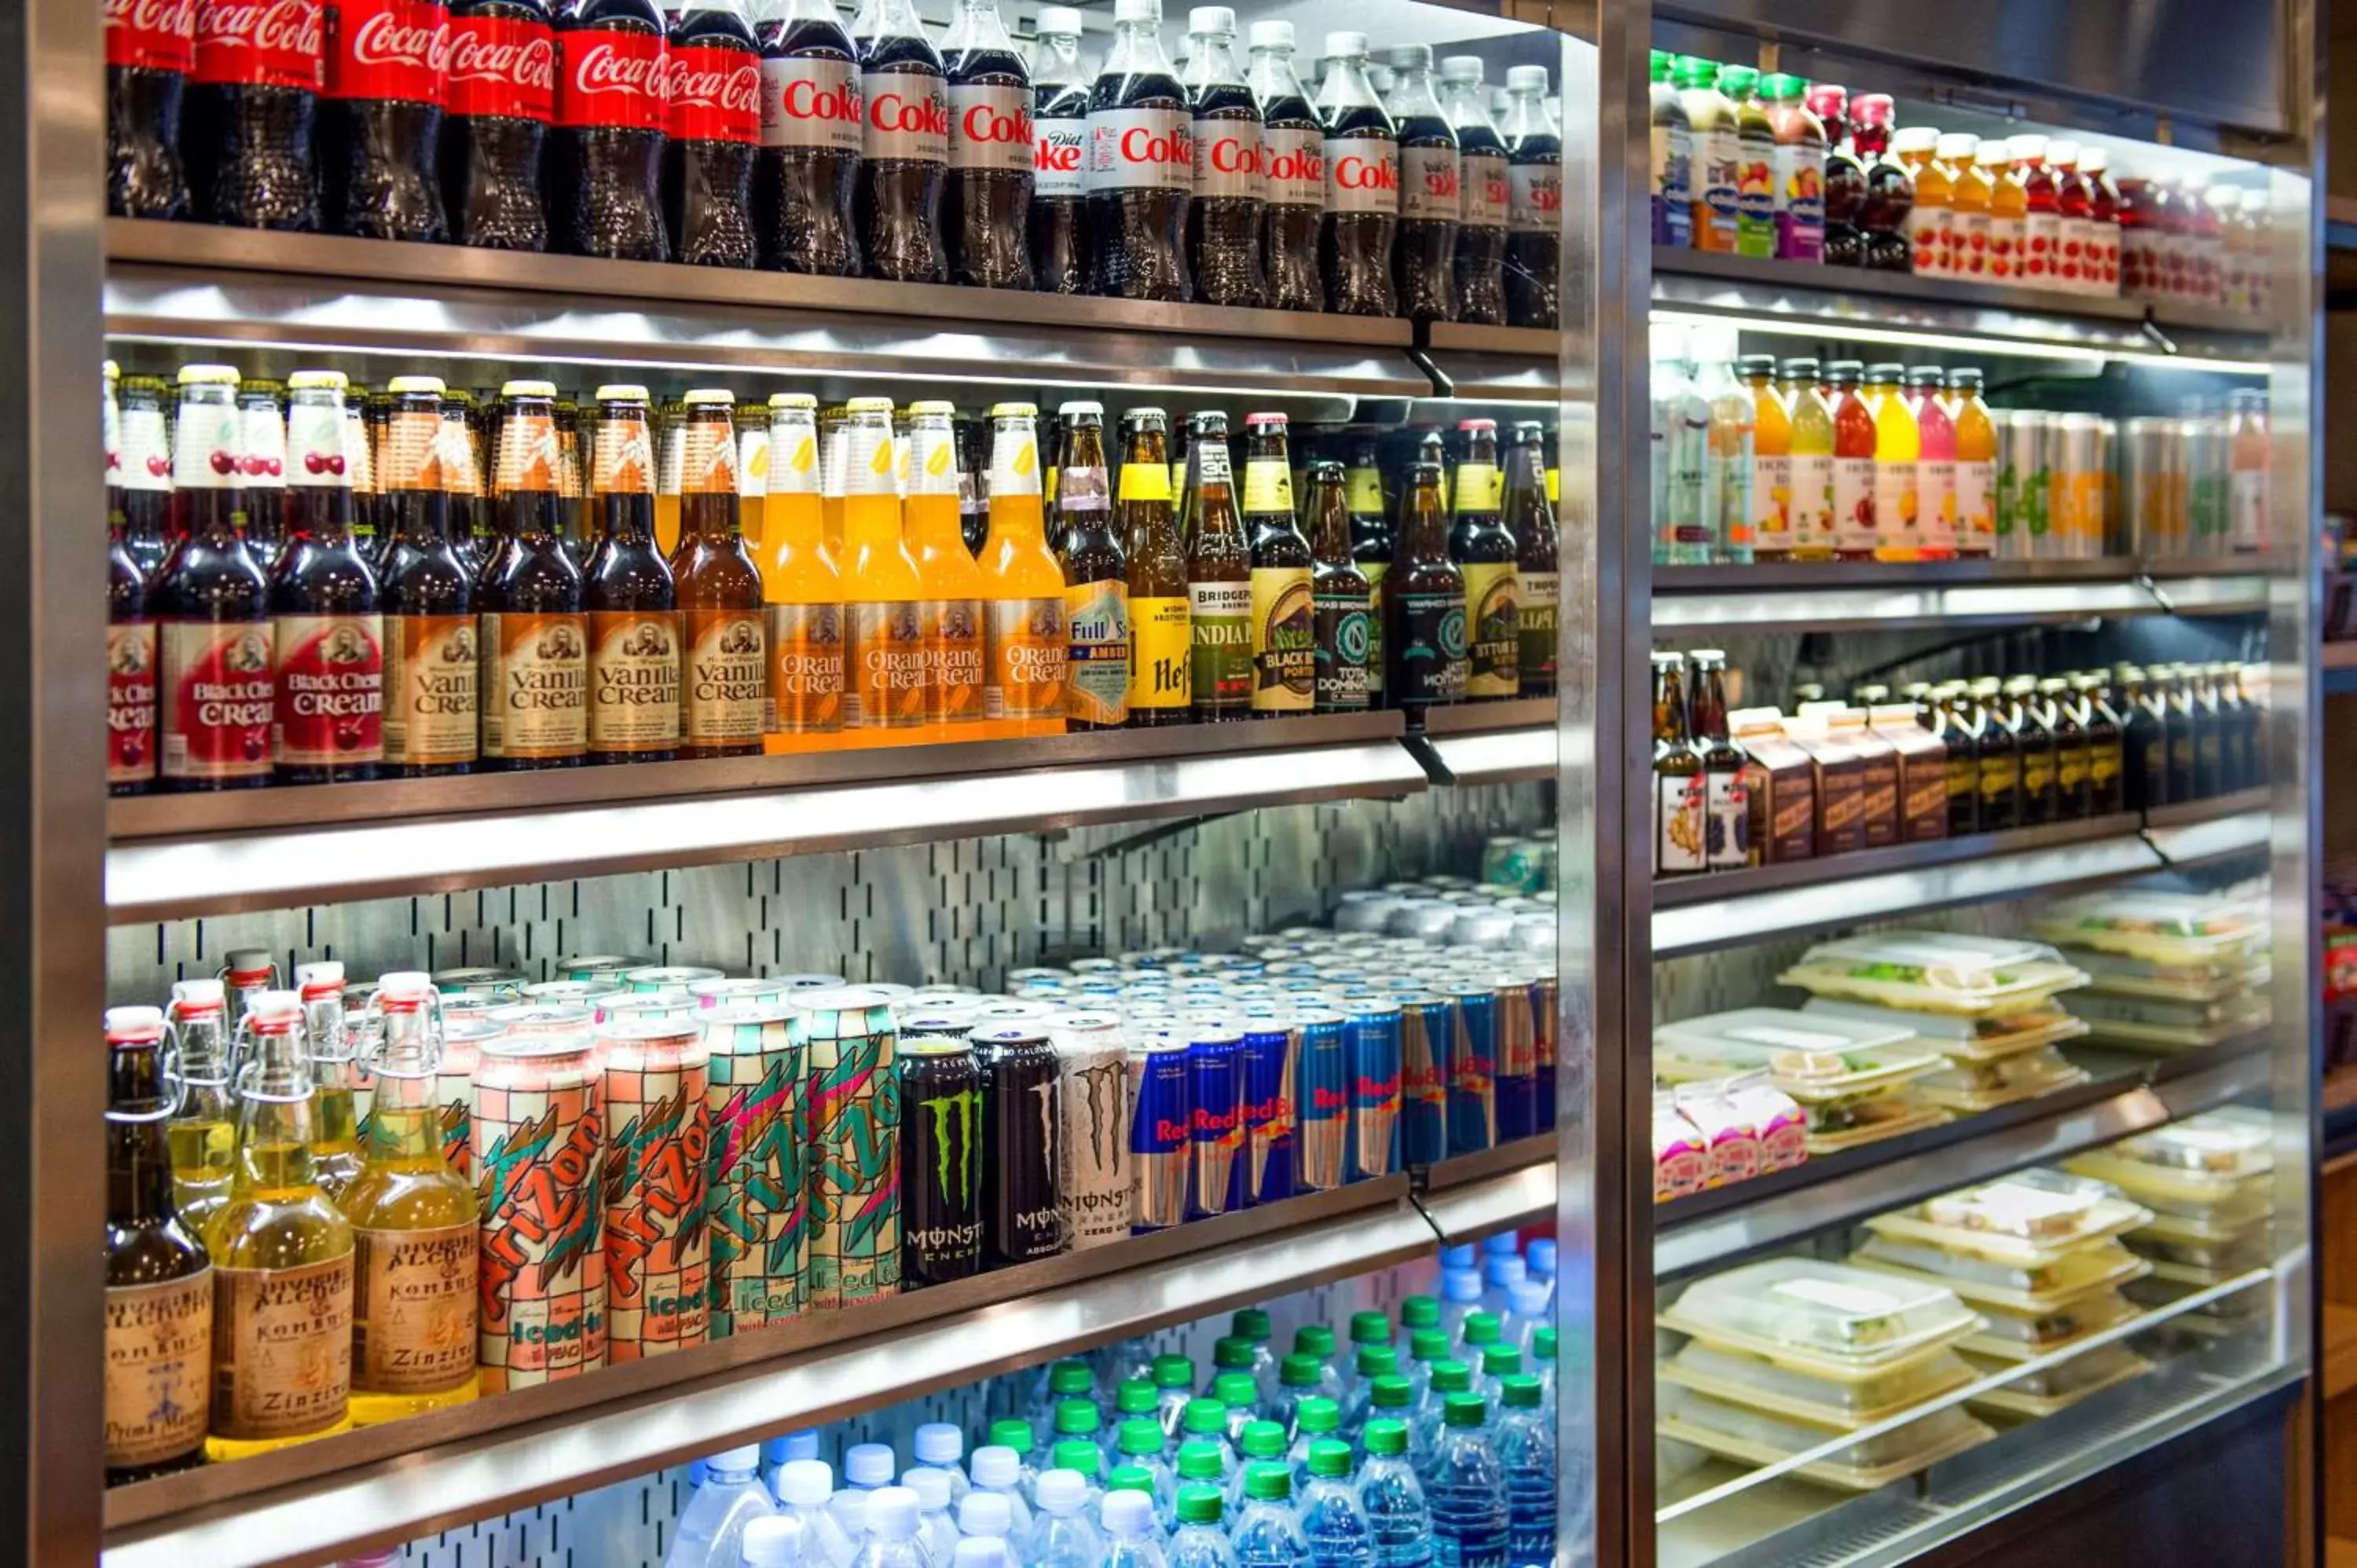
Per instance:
(1473,1070)
(1374,1088)
(1215,1095)
(1427,1039)
(657,1164)
(1271,1049)
(1518,1059)
(1545,1027)
(1161,1132)
(1321,1099)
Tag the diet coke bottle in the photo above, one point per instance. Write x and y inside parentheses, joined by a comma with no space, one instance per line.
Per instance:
(712,92)
(1361,185)
(502,94)
(1060,141)
(1534,200)
(1223,221)
(1481,177)
(812,124)
(1431,191)
(607,166)
(328,635)
(150,46)
(989,204)
(906,147)
(211,605)
(386,59)
(1141,164)
(1293,172)
(254,96)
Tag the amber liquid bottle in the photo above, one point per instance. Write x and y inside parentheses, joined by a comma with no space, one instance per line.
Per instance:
(1371,547)
(2000,758)
(1338,593)
(631,601)
(1161,652)
(1950,716)
(534,643)
(1485,552)
(1538,576)
(1284,617)
(2060,712)
(724,647)
(1096,578)
(432,712)
(2144,739)
(1219,578)
(1679,786)
(2106,762)
(1424,605)
(335,1077)
(2040,779)
(1727,804)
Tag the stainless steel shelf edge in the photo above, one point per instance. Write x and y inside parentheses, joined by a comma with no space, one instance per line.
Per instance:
(1672,582)
(1922,854)
(2198,843)
(1507,757)
(1472,1209)
(1013,1317)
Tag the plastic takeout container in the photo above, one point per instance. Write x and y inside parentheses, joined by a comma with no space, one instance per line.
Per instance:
(2147,1023)
(1936,971)
(2103,1265)
(2017,1337)
(2030,1220)
(2170,926)
(1739,1377)
(1758,1438)
(2056,1388)
(1834,1128)
(2121,974)
(1970,1087)
(1827,1320)
(1811,1058)
(1957,1036)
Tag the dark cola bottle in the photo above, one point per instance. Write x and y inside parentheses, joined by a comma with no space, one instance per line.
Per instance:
(326,620)
(988,203)
(906,146)
(1059,147)
(1535,197)
(807,177)
(605,168)
(712,117)
(1293,172)
(253,105)
(499,97)
(1354,251)
(1481,179)
(382,118)
(150,46)
(1431,189)
(1141,164)
(1223,221)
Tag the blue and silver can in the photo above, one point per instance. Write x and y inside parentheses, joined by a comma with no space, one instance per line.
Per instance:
(1545,1028)
(1161,1132)
(1321,1099)
(1271,1049)
(1374,1088)
(1518,1059)
(1473,1070)
(1427,1034)
(1215,1092)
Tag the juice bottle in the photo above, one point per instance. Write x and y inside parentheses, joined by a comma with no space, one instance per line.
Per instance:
(1772,459)
(2008,212)
(2075,196)
(1728,493)
(1935,471)
(1889,188)
(1975,463)
(1755,168)
(1898,449)
(801,593)
(1673,153)
(951,582)
(1844,188)
(1711,122)
(2143,238)
(1970,191)
(2206,243)
(1812,447)
(2043,204)
(2095,165)
(887,664)
(2250,456)
(1022,585)
(1931,224)
(1855,434)
(1799,169)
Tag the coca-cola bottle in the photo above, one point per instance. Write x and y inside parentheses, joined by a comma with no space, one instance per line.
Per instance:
(1431,189)
(150,46)
(1362,202)
(382,117)
(906,149)
(502,94)
(323,605)
(1141,164)
(211,605)
(807,177)
(1059,143)
(988,212)
(1223,221)
(605,168)
(130,633)
(252,101)
(1481,179)
(1534,200)
(144,477)
(712,91)
(1293,172)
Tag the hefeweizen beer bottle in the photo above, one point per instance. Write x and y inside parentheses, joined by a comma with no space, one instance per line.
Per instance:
(1338,593)
(1097,579)
(534,643)
(1538,581)
(1284,617)
(324,622)
(212,605)
(428,600)
(1219,579)
(1424,605)
(723,653)
(1485,552)
(1161,633)
(629,594)
(130,633)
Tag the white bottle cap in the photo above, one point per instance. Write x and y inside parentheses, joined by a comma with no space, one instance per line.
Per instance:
(1219,21)
(1526,79)
(805,1483)
(996,1467)
(939,1442)
(205,992)
(1060,21)
(747,1457)
(802,1444)
(1346,45)
(2062,153)
(2026,146)
(868,1465)
(1062,1491)
(323,972)
(1957,146)
(930,1486)
(1464,70)
(892,1513)
(980,1552)
(1409,56)
(1127,1514)
(1271,36)
(772,1541)
(1137,10)
(985,1513)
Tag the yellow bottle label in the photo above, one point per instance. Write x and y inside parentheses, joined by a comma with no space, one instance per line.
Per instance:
(1477,487)
(1161,634)
(887,664)
(1362,493)
(1145,481)
(415,1297)
(1096,642)
(1492,630)
(805,661)
(1553,486)
(282,1349)
(1285,640)
(1268,486)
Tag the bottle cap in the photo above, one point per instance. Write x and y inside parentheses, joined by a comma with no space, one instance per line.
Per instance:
(1198,1461)
(615,391)
(1069,1378)
(1520,1391)
(1015,410)
(1452,1377)
(1218,21)
(892,1513)
(805,1483)
(1483,1327)
(1062,1491)
(792,400)
(1428,1344)
(1387,1437)
(868,1465)
(1251,1323)
(1501,1361)
(772,1541)
(1130,1478)
(1329,1457)
(226,376)
(1199,1504)
(1526,79)
(855,405)
(198,994)
(1501,1272)
(1078,1454)
(1391,1391)
(1262,1440)
(1014,1436)
(1375,1360)
(2062,153)
(1505,1243)
(1914,139)
(405,386)
(507,389)
(1135,1397)
(939,1442)
(1409,56)
(1127,1514)
(1056,21)
(1464,1410)
(1268,1482)
(710,397)
(128,1022)
(1141,1437)
(1370,1328)
(1271,36)
(1236,1391)
(931,1486)
(984,1513)
(317,380)
(1419,1312)
(995,1465)
(2026,149)
(1074,1417)
(1884,370)
(745,1457)
(1955,147)
(1460,1285)
(1138,11)
(1173,1372)
(1317,1416)
(1232,1353)
(1737,80)
(1299,1371)
(319,978)
(1313,1339)
(1204,1415)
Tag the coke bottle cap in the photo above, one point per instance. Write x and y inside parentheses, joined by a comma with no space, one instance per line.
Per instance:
(208,375)
(1272,35)
(1058,21)
(940,408)
(315,381)
(1138,11)
(1461,71)
(400,385)
(620,391)
(1346,45)
(1409,56)
(1014,411)
(868,405)
(711,397)
(793,400)
(527,389)
(1526,79)
(1079,410)
(1218,20)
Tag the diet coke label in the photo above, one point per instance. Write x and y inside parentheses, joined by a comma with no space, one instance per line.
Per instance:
(1535,198)
(1060,157)
(1294,161)
(1431,184)
(396,51)
(712,94)
(502,66)
(1141,149)
(811,103)
(1362,173)
(990,127)
(1481,178)
(908,117)
(260,43)
(609,79)
(154,35)
(1227,159)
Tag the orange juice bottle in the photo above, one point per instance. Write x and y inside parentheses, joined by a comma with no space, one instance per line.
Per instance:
(801,591)
(952,583)
(887,663)
(1975,463)
(1970,192)
(1023,588)
(1811,444)
(2008,212)
(1930,220)
(1898,449)
(1772,459)
(1854,436)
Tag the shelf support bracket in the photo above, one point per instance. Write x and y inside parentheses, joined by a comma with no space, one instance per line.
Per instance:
(1427,756)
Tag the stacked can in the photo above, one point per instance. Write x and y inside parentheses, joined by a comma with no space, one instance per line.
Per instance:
(658,1149)
(1215,1103)
(454,1087)
(942,1161)
(1473,1084)
(1272,1052)
(539,1146)
(1020,1085)
(596,966)
(1161,1132)
(1094,1181)
(757,1203)
(852,1046)
(1374,1066)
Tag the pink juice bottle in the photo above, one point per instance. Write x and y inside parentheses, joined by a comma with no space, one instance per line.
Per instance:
(1935,465)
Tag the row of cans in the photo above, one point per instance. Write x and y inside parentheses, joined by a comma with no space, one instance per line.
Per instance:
(2054,485)
(2081,487)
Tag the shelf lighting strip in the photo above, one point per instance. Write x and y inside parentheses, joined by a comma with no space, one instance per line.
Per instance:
(1994,343)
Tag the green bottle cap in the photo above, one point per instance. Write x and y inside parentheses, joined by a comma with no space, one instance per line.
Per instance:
(1272,1483)
(1452,1377)
(1069,1378)
(1482,1328)
(1135,1397)
(1328,1457)
(1501,1361)
(1693,71)
(1232,1353)
(1262,1440)
(1198,1461)
(1737,80)
(1014,1434)
(1392,1392)
(1421,1311)
(1543,1343)
(1317,1416)
(1235,1389)
(1659,65)
(1387,1437)
(1427,1345)
(1205,1415)
(1173,1372)
(1313,1339)
(1078,1455)
(1464,1410)
(1140,1437)
(1251,1323)
(1779,85)
(1130,1478)
(1377,1360)
(1299,1371)
(1076,1418)
(1370,1328)
(1520,1391)
(1199,1504)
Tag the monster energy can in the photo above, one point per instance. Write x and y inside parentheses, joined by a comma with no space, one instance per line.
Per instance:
(853,1047)
(940,1162)
(759,1199)
(1019,1072)
(1094,1182)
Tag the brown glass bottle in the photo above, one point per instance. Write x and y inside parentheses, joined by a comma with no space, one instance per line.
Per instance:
(2000,758)
(462,479)
(325,621)
(724,657)
(262,468)
(1161,653)
(360,457)
(2243,768)
(211,605)
(2208,731)
(1096,578)
(432,673)
(2040,782)
(1219,578)
(1338,591)
(1948,714)
(2106,774)
(2184,743)
(2144,733)
(145,444)
(1424,605)
(1284,615)
(1485,553)
(1679,784)
(1538,579)
(2060,712)
(572,488)
(1727,804)
(628,593)
(533,639)
(1371,546)
(130,634)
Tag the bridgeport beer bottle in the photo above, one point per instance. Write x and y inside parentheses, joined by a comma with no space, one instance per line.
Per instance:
(1293,172)
(1225,218)
(1141,164)
(1430,190)
(812,126)
(723,660)
(429,601)
(605,169)
(500,95)
(1060,137)
(211,605)
(385,64)
(712,98)
(150,46)
(906,149)
(252,101)
(1483,181)
(323,605)
(1535,216)
(534,643)
(1363,203)
(988,204)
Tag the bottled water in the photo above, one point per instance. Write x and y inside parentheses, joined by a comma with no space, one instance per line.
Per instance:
(1234,1353)
(1541,1256)
(1389,1399)
(1425,1431)
(1461,1293)
(1264,1442)
(934,1526)
(1467,1256)
(1240,1397)
(779,1451)
(1250,1324)
(1526,1443)
(1393,1499)
(1085,1460)
(1200,1542)
(1466,1489)
(772,1542)
(1316,1340)
(1372,1361)
(1297,1379)
(804,1487)
(1543,1344)
(999,1472)
(712,1526)
(943,1446)
(893,1523)
(1267,1534)
(1173,1385)
(1065,1538)
(1499,1362)
(1133,1535)
(1066,1381)
(986,1514)
(1427,1348)
(1481,1330)
(1200,1463)
(1017,1438)
(1529,1306)
(1505,1244)
(1336,1527)
(982,1552)
(1141,1443)
(1317,1421)
(1499,1276)
(1078,1421)
(1369,1331)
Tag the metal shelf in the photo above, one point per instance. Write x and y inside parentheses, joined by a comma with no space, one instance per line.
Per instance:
(381,1486)
(1492,364)
(1833,596)
(1488,743)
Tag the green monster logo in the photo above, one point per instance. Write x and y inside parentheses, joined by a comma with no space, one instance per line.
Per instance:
(960,1110)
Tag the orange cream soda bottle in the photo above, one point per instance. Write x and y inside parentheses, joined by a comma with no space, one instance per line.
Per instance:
(887,659)
(801,593)
(1022,585)
(946,570)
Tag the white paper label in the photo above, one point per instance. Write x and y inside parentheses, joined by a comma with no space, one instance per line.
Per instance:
(1854,505)
(2042,248)
(1362,173)
(1678,823)
(1060,157)
(1227,157)
(1141,149)
(1935,506)
(1771,503)
(811,103)
(1430,184)
(1293,161)
(1813,502)
(1481,178)
(1975,507)
(1535,197)
(990,127)
(2249,511)
(908,117)
(1895,518)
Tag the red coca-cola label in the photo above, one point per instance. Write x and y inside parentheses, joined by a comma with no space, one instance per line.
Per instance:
(260,43)
(990,127)
(1060,157)
(1362,173)
(1141,149)
(613,78)
(715,94)
(811,103)
(391,50)
(908,117)
(1227,157)
(1294,160)
(1431,184)
(502,66)
(156,35)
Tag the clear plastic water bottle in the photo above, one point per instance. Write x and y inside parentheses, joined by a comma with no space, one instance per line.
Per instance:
(1173,1385)
(1372,1361)
(804,1489)
(1499,1275)
(1461,1293)
(998,1469)
(1541,1255)
(1065,1538)
(988,1515)
(1466,1489)
(1430,1419)
(893,1525)
(1136,1399)
(1543,1344)
(1477,1333)
(1233,1353)
(935,1528)
(868,1467)
(941,1444)
(1389,1397)
(1505,1244)
(1201,1541)
(1336,1528)
(1529,1305)
(1499,1362)
(1200,1463)
(1526,1443)
(771,1542)
(1084,1459)
(1264,1442)
(1066,1381)
(778,1453)
(1392,1498)
(1251,1325)
(1140,1443)
(1207,1424)
(1297,1379)
(1316,1420)
(1267,1534)
(1427,1348)
(1133,1533)
(984,1551)
(1368,1330)
(1316,1339)
(1239,1396)
(1467,1256)
(711,1526)
(1417,1312)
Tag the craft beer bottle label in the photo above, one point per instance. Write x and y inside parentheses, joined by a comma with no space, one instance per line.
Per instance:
(805,669)
(1538,601)
(415,1331)
(1027,659)
(330,690)
(1221,630)
(953,636)
(1096,629)
(216,700)
(1159,675)
(159,1338)
(1342,638)
(537,678)
(887,664)
(726,687)
(282,1349)
(1285,638)
(1493,630)
(633,680)
(429,684)
(131,703)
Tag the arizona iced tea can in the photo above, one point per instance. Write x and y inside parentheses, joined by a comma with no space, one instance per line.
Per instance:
(539,1145)
(758,1204)
(854,1210)
(658,1144)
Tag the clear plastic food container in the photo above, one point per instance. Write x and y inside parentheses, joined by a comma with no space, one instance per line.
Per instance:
(2018,1335)
(2232,1141)
(2172,927)
(1811,1058)
(2123,975)
(1828,1319)
(2149,1022)
(2057,1389)
(2098,1266)
(1741,1378)
(1935,971)
(1752,1436)
(1959,1037)
(1970,1087)
(2214,1223)
(1835,1127)
(2027,1221)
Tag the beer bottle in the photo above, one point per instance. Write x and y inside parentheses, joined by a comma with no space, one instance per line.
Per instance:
(801,590)
(2106,771)
(1485,552)
(1219,578)
(1097,579)
(282,1258)
(462,480)
(130,634)
(415,1229)
(334,1107)
(2040,778)
(1371,546)
(974,495)
(1424,605)
(212,604)
(1538,580)
(2144,739)
(2184,743)
(572,488)
(2000,751)
(1284,618)
(533,637)
(629,595)
(325,621)
(159,1288)
(2060,715)
(1727,803)
(262,468)
(203,1124)
(951,610)
(723,660)
(431,722)
(1022,585)
(1338,593)
(1951,718)
(2209,732)
(666,425)
(2244,767)
(145,473)
(887,661)
(1161,637)
(1680,788)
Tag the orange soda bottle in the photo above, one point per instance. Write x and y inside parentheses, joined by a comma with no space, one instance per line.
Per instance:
(945,569)
(1022,586)
(800,591)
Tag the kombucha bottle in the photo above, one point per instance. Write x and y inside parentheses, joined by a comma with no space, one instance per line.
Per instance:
(1898,451)
(335,1102)
(202,1130)
(801,591)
